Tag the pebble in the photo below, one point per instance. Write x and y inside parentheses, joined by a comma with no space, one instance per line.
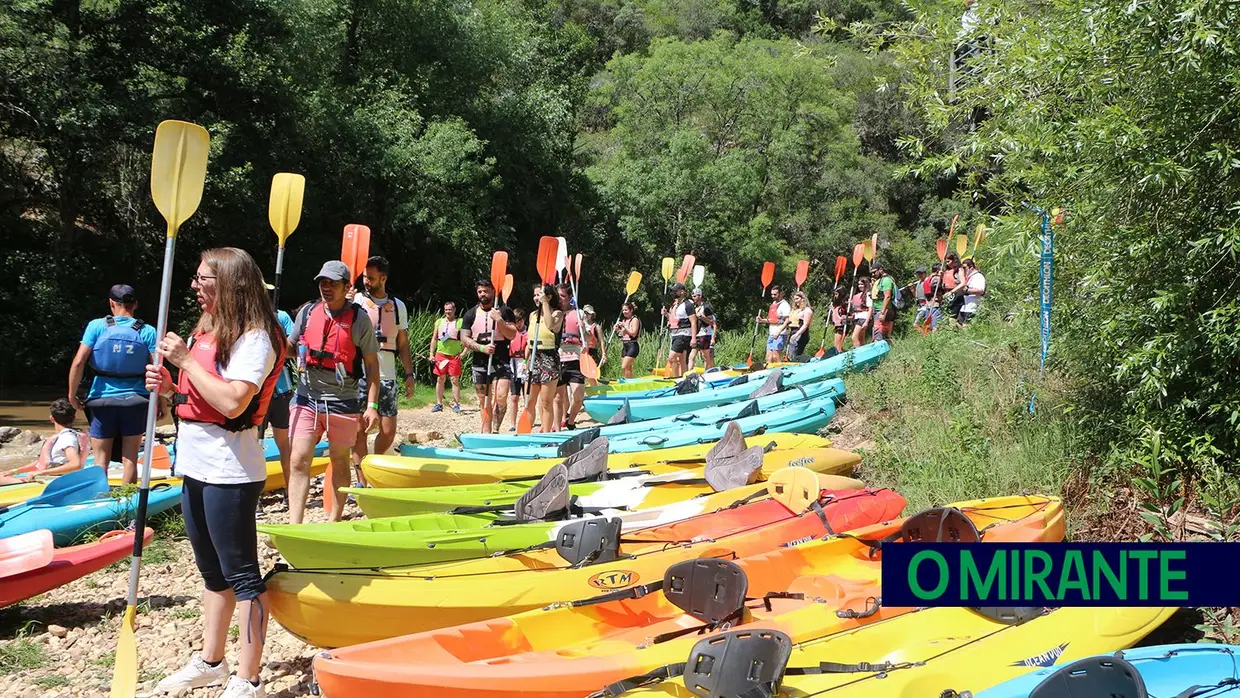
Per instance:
(57,630)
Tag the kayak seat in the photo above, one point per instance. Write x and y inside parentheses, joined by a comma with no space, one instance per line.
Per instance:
(590,462)
(742,662)
(729,473)
(773,384)
(711,590)
(578,442)
(942,525)
(589,541)
(1091,677)
(730,445)
(622,415)
(548,496)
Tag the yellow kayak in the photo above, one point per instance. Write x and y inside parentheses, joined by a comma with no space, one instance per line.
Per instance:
(15,494)
(402,471)
(946,651)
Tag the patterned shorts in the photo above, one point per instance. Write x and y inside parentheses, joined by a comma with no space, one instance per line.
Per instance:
(389,399)
(545,367)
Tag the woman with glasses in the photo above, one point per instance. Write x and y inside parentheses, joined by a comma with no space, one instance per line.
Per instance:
(227,373)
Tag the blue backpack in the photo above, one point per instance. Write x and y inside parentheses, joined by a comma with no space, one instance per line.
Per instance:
(120,352)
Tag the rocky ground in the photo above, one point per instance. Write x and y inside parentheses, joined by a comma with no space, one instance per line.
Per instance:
(63,643)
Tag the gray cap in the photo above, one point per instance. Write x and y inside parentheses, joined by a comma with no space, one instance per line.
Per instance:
(697,291)
(335,270)
(588,309)
(920,270)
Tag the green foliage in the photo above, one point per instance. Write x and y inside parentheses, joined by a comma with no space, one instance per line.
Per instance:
(21,653)
(52,681)
(946,418)
(1125,122)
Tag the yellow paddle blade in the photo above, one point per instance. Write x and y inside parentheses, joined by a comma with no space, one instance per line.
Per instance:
(178,170)
(962,244)
(669,266)
(868,251)
(979,234)
(125,670)
(796,488)
(284,207)
(635,282)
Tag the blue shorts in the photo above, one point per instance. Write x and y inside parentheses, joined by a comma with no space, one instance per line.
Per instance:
(776,343)
(115,422)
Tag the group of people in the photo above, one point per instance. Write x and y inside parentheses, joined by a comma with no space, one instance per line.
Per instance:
(954,288)
(515,353)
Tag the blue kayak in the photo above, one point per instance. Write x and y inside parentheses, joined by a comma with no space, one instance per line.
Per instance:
(833,387)
(602,408)
(800,418)
(1167,670)
(95,515)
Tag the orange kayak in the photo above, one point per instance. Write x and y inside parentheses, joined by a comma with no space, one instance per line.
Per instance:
(569,650)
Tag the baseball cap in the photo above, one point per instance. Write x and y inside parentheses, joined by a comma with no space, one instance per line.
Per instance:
(588,309)
(122,293)
(335,270)
(920,270)
(697,291)
(676,287)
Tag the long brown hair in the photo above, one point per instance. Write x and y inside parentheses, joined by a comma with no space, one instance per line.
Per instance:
(241,302)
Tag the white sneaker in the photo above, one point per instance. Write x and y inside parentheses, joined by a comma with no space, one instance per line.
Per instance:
(240,688)
(196,674)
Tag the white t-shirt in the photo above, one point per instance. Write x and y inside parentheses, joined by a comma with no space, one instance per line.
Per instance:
(783,310)
(208,452)
(975,283)
(67,438)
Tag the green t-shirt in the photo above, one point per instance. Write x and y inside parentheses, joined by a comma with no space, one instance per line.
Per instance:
(876,292)
(448,343)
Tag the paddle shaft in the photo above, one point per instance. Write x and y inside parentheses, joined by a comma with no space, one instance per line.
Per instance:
(152,414)
(613,327)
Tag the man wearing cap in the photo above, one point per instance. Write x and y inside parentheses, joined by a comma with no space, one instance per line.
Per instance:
(335,345)
(682,321)
(882,295)
(704,341)
(117,347)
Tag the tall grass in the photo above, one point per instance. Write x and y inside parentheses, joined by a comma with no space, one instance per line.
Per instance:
(946,417)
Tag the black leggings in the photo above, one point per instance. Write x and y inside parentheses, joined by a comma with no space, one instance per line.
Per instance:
(222,530)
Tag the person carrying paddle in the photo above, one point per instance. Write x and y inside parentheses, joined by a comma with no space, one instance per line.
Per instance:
(859,310)
(683,322)
(333,340)
(486,330)
(707,330)
(446,348)
(117,347)
(517,367)
(572,384)
(777,319)
(544,361)
(227,375)
(972,288)
(838,319)
(882,300)
(953,274)
(595,346)
(799,324)
(391,322)
(630,328)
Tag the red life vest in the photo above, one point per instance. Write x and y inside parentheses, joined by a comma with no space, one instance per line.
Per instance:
(517,347)
(329,340)
(383,319)
(949,280)
(927,286)
(190,406)
(772,313)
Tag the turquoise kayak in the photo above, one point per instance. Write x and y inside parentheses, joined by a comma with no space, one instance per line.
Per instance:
(95,515)
(603,408)
(734,410)
(806,417)
(1166,670)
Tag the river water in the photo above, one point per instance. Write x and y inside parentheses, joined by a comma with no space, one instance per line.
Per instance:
(26,408)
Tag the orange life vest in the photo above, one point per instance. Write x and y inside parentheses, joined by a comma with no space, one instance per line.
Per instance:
(189,405)
(329,340)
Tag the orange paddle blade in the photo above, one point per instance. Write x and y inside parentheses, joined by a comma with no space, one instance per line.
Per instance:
(525,423)
(507,287)
(952,228)
(499,269)
(802,272)
(577,268)
(858,254)
(820,353)
(355,248)
(589,368)
(547,248)
(841,264)
(940,246)
(686,267)
(768,274)
(486,415)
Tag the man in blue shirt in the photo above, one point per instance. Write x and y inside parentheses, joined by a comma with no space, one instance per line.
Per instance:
(118,347)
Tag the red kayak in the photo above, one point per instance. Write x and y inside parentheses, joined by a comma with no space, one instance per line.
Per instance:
(69,564)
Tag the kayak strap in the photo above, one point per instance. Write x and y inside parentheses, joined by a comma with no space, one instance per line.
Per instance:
(872,605)
(816,507)
(1195,691)
(737,664)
